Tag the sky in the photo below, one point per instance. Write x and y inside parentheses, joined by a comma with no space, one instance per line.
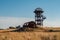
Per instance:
(16,12)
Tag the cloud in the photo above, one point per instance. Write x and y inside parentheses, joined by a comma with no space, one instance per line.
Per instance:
(52,23)
(5,22)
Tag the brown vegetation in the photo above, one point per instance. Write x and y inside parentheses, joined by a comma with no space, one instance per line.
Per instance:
(37,34)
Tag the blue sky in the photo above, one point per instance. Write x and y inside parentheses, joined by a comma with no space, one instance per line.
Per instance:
(24,9)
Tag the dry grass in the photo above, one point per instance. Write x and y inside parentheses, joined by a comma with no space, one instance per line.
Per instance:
(33,35)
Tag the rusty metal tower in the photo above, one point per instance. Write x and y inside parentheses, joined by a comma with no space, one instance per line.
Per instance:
(39,16)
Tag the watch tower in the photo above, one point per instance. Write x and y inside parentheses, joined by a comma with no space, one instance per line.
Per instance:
(39,16)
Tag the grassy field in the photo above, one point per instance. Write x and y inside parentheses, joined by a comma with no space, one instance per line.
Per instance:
(33,35)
